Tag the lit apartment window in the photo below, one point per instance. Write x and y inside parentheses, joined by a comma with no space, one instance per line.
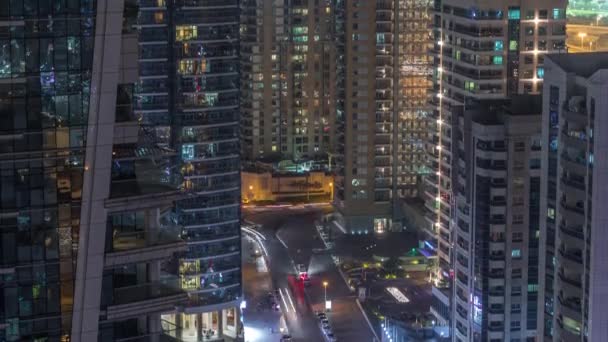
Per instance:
(186,32)
(516,253)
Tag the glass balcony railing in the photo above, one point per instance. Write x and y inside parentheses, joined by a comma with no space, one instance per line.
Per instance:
(129,240)
(143,292)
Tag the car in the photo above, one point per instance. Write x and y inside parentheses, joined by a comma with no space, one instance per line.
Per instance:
(326,327)
(286,338)
(324,321)
(331,337)
(321,315)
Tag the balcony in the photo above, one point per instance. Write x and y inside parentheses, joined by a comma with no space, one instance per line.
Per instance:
(576,184)
(570,307)
(568,333)
(145,246)
(576,232)
(497,256)
(574,255)
(576,283)
(145,299)
(576,209)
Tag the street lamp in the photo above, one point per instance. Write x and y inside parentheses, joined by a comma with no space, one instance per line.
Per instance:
(325,288)
(331,191)
(582,35)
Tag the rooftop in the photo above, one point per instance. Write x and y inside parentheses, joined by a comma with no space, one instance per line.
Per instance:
(582,64)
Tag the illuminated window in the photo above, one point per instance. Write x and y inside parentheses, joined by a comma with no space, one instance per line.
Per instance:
(159,17)
(559,13)
(185,32)
(186,67)
(498,45)
(513,45)
(300,30)
(187,152)
(514,13)
(551,213)
(540,72)
(497,60)
(516,253)
(470,86)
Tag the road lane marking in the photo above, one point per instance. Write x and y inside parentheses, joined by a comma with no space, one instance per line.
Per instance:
(281,241)
(341,227)
(283,299)
(290,301)
(253,232)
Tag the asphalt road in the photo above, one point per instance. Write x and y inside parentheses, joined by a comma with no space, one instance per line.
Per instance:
(291,235)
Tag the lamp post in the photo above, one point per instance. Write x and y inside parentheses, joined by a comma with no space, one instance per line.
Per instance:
(331,192)
(325,288)
(582,35)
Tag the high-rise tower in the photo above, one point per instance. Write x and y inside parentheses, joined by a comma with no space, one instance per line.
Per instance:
(382,108)
(287,83)
(120,170)
(572,288)
(484,50)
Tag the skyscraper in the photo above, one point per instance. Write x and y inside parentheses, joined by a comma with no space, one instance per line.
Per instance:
(496,230)
(382,109)
(53,101)
(483,51)
(188,97)
(120,170)
(572,289)
(288,92)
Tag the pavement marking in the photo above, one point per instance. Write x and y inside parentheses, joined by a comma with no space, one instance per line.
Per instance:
(259,241)
(290,301)
(341,227)
(371,327)
(281,241)
(253,232)
(283,299)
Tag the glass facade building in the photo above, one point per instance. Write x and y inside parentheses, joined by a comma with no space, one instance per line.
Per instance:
(46,62)
(120,170)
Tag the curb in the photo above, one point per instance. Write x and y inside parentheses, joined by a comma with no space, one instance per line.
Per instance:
(371,327)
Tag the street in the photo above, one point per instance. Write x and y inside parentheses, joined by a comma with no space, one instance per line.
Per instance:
(290,239)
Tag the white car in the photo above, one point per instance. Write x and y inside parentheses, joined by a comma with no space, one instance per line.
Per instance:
(326,328)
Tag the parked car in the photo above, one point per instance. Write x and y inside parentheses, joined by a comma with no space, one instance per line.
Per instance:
(331,337)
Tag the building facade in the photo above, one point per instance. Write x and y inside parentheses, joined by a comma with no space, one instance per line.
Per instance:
(496,231)
(483,50)
(382,109)
(572,296)
(120,170)
(187,96)
(55,102)
(287,84)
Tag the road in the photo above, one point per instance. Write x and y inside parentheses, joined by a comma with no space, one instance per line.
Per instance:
(261,321)
(290,235)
